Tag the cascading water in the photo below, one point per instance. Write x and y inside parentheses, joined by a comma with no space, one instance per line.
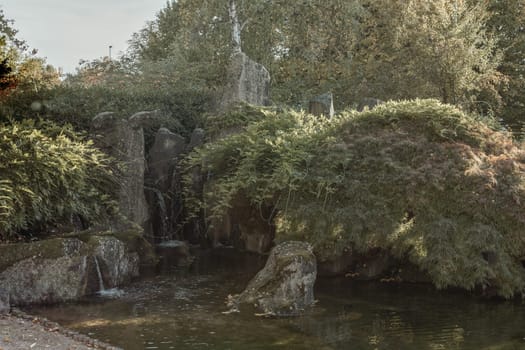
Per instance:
(101,287)
(160,203)
(102,291)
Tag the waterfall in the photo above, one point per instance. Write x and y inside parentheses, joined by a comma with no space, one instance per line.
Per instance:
(162,215)
(99,273)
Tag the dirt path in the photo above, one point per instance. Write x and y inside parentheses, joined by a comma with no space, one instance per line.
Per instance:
(19,331)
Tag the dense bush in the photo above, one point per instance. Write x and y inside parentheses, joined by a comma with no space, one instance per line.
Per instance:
(419,179)
(77,105)
(48,174)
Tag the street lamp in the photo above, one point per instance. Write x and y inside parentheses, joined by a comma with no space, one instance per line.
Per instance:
(110,47)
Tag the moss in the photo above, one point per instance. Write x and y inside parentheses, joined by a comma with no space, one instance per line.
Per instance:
(419,179)
(10,254)
(54,248)
(137,243)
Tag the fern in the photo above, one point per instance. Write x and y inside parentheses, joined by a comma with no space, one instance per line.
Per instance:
(47,174)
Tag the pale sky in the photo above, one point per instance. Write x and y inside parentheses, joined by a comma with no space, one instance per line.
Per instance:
(66,31)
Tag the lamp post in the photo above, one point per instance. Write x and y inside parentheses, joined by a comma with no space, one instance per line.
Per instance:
(110,47)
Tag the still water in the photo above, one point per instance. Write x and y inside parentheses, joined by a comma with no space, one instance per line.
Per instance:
(181,308)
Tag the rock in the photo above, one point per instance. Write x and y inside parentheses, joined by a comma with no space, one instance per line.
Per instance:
(194,230)
(124,141)
(198,136)
(374,264)
(174,253)
(248,81)
(163,187)
(119,264)
(162,157)
(5,305)
(322,105)
(244,226)
(337,266)
(62,269)
(144,119)
(284,287)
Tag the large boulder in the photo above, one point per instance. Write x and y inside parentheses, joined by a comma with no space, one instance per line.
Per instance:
(284,287)
(62,269)
(123,139)
(248,81)
(162,188)
(162,157)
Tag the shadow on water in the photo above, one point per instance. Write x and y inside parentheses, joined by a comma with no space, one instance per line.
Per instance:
(181,308)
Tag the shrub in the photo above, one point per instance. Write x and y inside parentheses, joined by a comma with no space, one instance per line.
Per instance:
(47,175)
(420,179)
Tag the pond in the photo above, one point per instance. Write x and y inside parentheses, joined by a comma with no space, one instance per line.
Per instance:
(182,308)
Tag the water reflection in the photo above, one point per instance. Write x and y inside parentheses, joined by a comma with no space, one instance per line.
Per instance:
(182,309)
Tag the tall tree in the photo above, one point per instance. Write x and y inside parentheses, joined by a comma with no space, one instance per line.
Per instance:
(20,69)
(428,48)
(507,22)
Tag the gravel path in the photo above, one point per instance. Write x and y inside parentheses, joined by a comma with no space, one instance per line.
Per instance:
(19,331)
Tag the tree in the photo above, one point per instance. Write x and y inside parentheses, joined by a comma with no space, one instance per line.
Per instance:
(20,69)
(507,23)
(388,49)
(8,45)
(428,48)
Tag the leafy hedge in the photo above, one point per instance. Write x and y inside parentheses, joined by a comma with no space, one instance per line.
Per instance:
(47,175)
(77,105)
(419,179)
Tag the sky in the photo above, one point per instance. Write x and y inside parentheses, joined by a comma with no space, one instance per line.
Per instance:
(66,31)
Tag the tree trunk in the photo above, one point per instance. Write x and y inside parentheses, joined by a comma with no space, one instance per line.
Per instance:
(236,28)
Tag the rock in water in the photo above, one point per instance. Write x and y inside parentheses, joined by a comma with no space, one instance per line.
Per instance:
(285,286)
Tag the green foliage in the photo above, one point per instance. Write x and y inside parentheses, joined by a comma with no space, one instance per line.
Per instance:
(47,175)
(77,105)
(420,179)
(506,22)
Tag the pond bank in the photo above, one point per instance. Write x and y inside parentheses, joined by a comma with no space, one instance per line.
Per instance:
(22,331)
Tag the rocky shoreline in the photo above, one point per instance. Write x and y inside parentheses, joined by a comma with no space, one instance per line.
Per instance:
(19,330)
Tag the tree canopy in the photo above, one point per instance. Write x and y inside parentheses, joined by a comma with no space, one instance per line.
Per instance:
(387,49)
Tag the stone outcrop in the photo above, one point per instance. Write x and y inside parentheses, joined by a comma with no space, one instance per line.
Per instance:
(197,139)
(162,158)
(244,226)
(162,183)
(284,287)
(248,81)
(322,105)
(5,304)
(62,269)
(123,139)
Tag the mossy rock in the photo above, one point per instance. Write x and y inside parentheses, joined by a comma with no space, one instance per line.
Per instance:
(45,249)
